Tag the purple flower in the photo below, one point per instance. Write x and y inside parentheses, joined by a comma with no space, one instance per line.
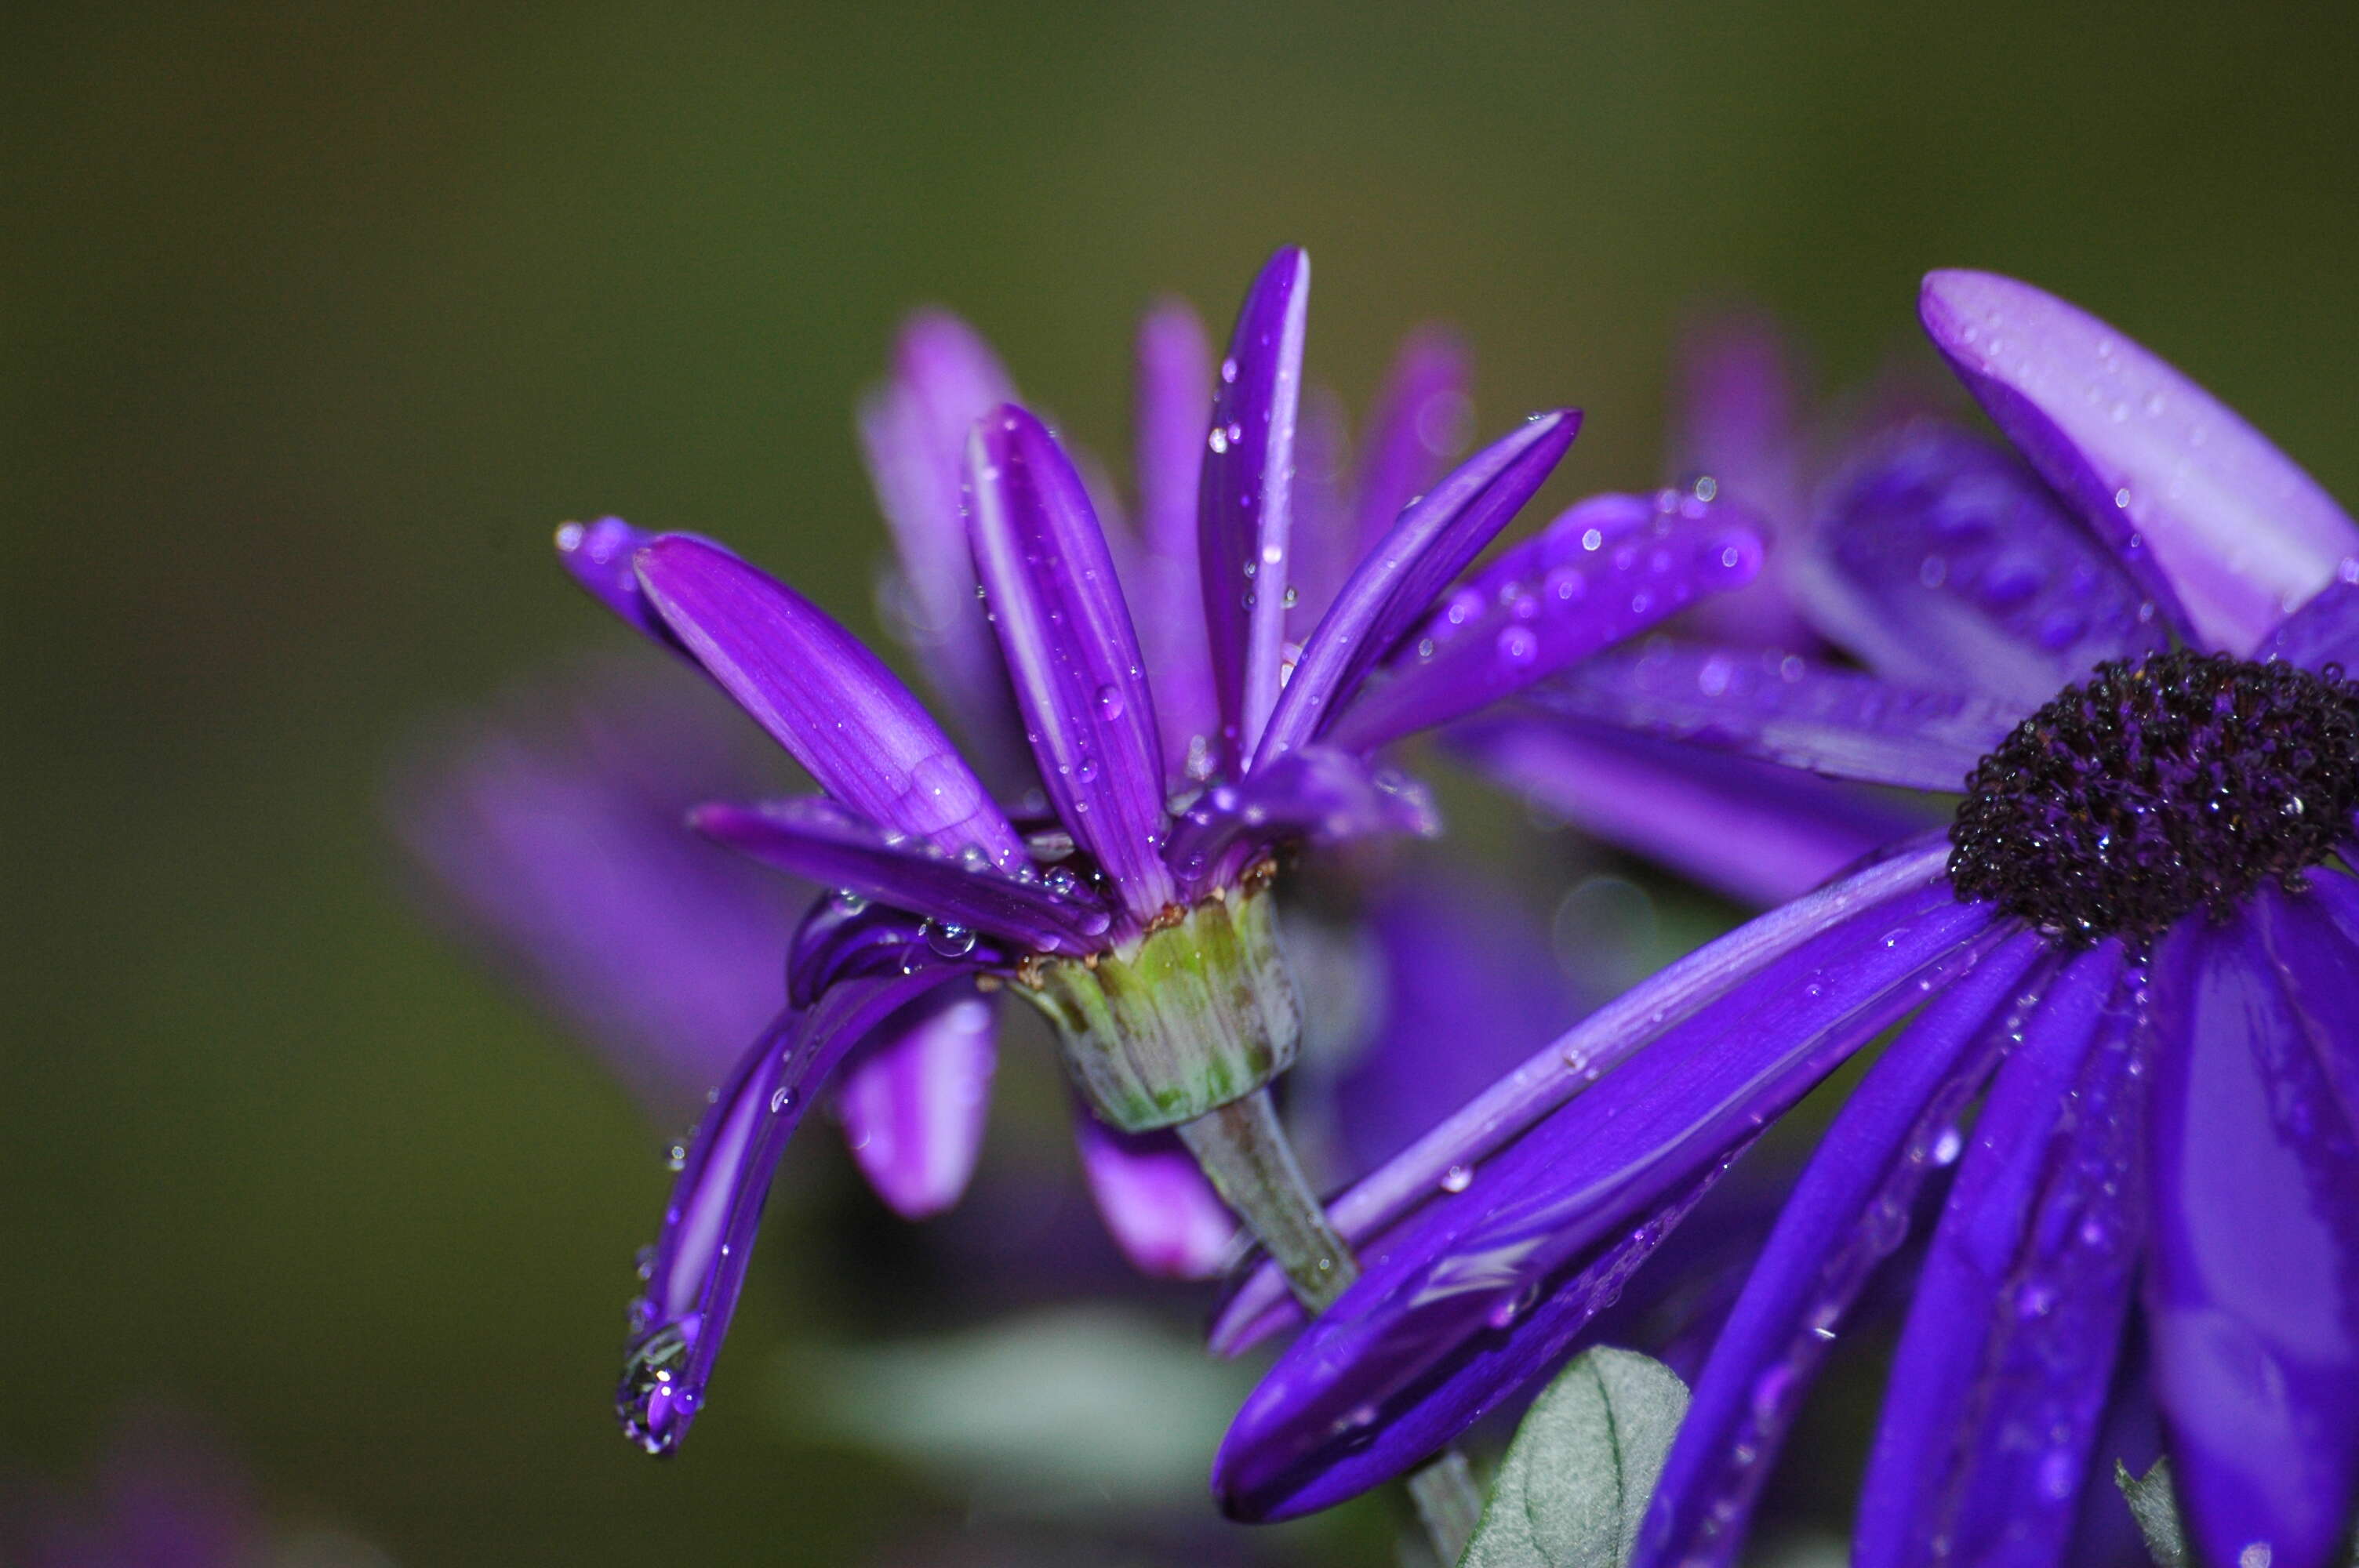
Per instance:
(1125,895)
(2137,945)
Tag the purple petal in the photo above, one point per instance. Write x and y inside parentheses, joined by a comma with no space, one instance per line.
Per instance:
(1244,507)
(2321,633)
(1944,564)
(600,557)
(1431,544)
(1698,1091)
(1685,807)
(1835,722)
(1322,541)
(1317,793)
(2212,518)
(913,432)
(556,843)
(1999,1388)
(1738,427)
(1420,422)
(1848,1213)
(1071,652)
(818,839)
(2252,1294)
(1155,1203)
(1174,394)
(699,1263)
(912,1102)
(1578,1058)
(824,697)
(1595,577)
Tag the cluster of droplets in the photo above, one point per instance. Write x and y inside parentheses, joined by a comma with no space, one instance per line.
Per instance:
(2154,789)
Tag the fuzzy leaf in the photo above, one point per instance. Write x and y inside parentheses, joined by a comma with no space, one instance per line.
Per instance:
(1573,1487)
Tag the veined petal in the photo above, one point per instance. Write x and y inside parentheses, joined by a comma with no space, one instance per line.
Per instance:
(2321,633)
(600,557)
(2252,1292)
(1837,723)
(1244,508)
(1580,1057)
(1848,1213)
(1944,564)
(1173,398)
(1590,581)
(1669,1116)
(824,697)
(1155,1203)
(913,434)
(2214,520)
(698,1264)
(1686,807)
(912,1103)
(1432,542)
(1067,638)
(1999,1386)
(1317,793)
(816,839)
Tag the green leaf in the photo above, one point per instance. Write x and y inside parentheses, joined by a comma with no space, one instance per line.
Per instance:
(2155,1506)
(1574,1485)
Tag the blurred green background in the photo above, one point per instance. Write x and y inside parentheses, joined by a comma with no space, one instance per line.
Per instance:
(317,319)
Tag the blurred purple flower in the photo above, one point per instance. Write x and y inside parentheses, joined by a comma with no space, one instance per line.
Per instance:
(1126,896)
(2141,933)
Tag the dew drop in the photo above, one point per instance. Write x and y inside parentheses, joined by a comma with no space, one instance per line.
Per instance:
(1518,646)
(1457,1179)
(1110,702)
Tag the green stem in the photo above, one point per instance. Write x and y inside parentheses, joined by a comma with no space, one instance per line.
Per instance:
(1246,1152)
(1448,1504)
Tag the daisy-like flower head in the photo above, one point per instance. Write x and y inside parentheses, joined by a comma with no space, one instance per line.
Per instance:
(2126,982)
(1127,900)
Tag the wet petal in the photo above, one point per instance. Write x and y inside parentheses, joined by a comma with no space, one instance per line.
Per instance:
(1174,395)
(1847,1215)
(1944,564)
(1396,582)
(1685,807)
(1999,1388)
(913,433)
(1578,1058)
(1317,793)
(600,557)
(2252,1294)
(699,1262)
(1606,570)
(824,697)
(2324,632)
(2210,517)
(1155,1203)
(1066,635)
(1737,426)
(1421,421)
(1695,1093)
(1244,507)
(1834,723)
(913,1102)
(818,839)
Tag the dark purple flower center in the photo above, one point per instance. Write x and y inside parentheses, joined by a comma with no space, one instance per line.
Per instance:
(2154,788)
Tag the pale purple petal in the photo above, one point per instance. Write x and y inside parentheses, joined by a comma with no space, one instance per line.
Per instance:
(2212,518)
(1316,792)
(2321,633)
(912,1102)
(699,1262)
(600,557)
(1394,585)
(913,433)
(1737,424)
(818,839)
(1174,397)
(1484,1259)
(1323,544)
(1080,681)
(2316,937)
(1849,1211)
(1244,507)
(1835,722)
(1155,1203)
(2252,1294)
(1759,833)
(2000,1385)
(1944,564)
(824,697)
(1577,588)
(1578,1058)
(1421,421)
